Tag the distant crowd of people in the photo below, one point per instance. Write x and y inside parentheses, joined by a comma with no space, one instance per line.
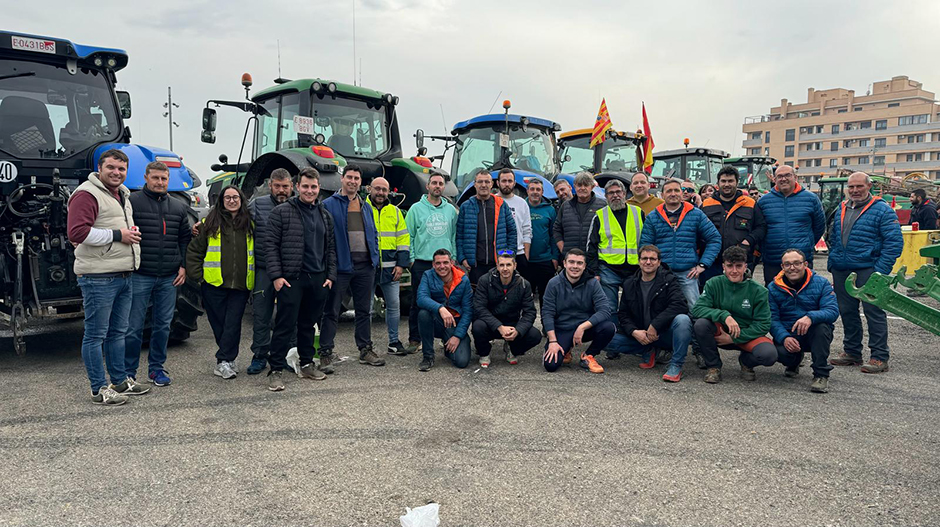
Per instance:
(629,273)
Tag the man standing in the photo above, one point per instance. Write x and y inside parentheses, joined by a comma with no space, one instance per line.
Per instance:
(575,216)
(484,227)
(101,227)
(866,237)
(794,218)
(733,313)
(262,295)
(737,220)
(543,253)
(520,212)
(432,224)
(562,190)
(653,312)
(445,301)
(613,242)
(357,257)
(923,211)
(394,242)
(504,308)
(164,229)
(803,309)
(301,262)
(640,187)
(690,195)
(575,311)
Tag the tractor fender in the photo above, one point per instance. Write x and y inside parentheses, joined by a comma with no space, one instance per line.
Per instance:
(293,161)
(181,179)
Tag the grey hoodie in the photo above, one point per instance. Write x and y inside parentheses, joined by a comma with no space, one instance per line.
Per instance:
(567,305)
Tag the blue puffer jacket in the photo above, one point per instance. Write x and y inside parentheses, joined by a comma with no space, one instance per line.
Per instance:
(814,299)
(796,221)
(679,245)
(874,241)
(459,300)
(338,207)
(467,220)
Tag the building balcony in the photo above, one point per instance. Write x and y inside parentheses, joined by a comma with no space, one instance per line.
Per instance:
(916,165)
(753,143)
(872,132)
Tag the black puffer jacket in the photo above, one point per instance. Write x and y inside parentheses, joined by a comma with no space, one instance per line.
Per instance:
(573,230)
(510,306)
(164,232)
(285,237)
(260,209)
(666,301)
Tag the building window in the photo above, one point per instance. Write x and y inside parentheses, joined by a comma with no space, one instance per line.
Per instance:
(863,160)
(893,104)
(833,163)
(843,110)
(864,124)
(881,125)
(814,114)
(846,160)
(834,146)
(766,151)
(857,109)
(789,163)
(879,160)
(835,129)
(755,135)
(788,151)
(880,142)
(767,136)
(791,135)
(863,142)
(912,119)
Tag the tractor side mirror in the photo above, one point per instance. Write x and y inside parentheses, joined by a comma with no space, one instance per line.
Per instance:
(419,138)
(525,123)
(208,125)
(124,102)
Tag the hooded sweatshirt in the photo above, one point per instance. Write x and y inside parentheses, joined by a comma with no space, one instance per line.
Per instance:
(431,228)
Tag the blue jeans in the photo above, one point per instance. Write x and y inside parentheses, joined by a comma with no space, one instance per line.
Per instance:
(163,294)
(391,292)
(679,334)
(611,283)
(689,287)
(431,326)
(107,303)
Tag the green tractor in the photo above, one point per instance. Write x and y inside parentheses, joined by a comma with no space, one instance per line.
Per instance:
(754,170)
(697,164)
(321,124)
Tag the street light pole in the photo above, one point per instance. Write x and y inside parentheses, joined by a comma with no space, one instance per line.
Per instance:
(169,105)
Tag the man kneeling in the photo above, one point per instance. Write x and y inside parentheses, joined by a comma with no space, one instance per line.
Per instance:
(503,308)
(575,311)
(653,313)
(803,309)
(445,303)
(733,313)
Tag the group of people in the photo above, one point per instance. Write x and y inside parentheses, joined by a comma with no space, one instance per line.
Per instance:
(639,275)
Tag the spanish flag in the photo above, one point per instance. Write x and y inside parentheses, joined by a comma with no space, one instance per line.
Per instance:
(601,125)
(648,147)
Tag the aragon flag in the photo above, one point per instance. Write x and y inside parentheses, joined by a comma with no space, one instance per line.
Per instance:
(601,125)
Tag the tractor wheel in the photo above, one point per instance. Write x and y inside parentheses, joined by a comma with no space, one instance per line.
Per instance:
(188,298)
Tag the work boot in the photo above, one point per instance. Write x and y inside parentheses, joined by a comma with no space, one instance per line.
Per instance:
(326,362)
(792,371)
(845,359)
(820,385)
(276,380)
(310,371)
(713,375)
(875,366)
(699,360)
(367,356)
(748,374)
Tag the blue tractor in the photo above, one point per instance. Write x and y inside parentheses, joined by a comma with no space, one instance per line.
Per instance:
(59,111)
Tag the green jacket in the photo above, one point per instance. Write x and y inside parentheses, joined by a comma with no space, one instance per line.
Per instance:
(431,228)
(746,302)
(234,256)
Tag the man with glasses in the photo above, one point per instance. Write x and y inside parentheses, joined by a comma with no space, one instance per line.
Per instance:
(690,194)
(803,309)
(795,219)
(485,226)
(504,308)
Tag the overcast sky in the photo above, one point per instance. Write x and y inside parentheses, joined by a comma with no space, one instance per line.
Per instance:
(701,67)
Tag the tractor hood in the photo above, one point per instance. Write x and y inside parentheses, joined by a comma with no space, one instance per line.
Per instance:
(139,155)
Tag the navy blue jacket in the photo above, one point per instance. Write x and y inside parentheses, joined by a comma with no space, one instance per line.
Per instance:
(814,299)
(260,208)
(679,245)
(567,305)
(466,236)
(431,297)
(793,222)
(874,241)
(338,207)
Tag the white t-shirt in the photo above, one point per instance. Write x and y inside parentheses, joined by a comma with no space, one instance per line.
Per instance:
(520,212)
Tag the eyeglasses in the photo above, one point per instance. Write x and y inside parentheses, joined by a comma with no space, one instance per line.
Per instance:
(232,198)
(688,189)
(506,252)
(649,259)
(789,265)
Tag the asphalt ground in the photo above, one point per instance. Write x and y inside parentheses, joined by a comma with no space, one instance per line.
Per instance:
(504,446)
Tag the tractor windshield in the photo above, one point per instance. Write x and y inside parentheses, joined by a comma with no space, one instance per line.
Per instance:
(580,152)
(698,168)
(619,156)
(47,113)
(532,150)
(352,127)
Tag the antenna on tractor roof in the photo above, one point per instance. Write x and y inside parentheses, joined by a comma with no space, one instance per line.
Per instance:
(443,120)
(494,101)
(354,42)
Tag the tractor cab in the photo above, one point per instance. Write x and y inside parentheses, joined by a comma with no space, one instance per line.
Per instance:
(754,170)
(699,165)
(619,156)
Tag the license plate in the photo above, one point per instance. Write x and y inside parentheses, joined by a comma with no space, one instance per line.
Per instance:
(34,44)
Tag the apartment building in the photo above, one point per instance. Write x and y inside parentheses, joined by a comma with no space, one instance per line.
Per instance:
(893,130)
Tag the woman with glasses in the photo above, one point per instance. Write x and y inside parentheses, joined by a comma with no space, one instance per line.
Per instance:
(221,257)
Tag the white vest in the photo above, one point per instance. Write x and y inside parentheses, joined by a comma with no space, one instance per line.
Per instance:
(115,257)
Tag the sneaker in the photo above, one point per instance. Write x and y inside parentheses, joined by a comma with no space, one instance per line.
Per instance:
(224,369)
(412,347)
(326,363)
(875,366)
(748,374)
(485,361)
(820,385)
(426,364)
(700,361)
(792,372)
(396,348)
(512,359)
(367,356)
(276,380)
(673,374)
(713,375)
(648,361)
(258,364)
(130,387)
(588,362)
(845,359)
(159,378)
(567,358)
(310,371)
(108,397)
(611,355)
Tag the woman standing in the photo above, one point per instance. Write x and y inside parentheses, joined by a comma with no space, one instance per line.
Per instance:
(222,257)
(707,191)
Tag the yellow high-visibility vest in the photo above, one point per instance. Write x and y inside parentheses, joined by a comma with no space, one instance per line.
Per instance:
(212,263)
(393,232)
(615,247)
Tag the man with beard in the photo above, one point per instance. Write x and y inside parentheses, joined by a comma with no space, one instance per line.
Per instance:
(640,187)
(520,212)
(613,242)
(923,211)
(563,191)
(393,255)
(737,220)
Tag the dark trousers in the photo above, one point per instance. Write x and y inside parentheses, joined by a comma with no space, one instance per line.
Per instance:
(482,335)
(852,322)
(479,271)
(818,341)
(538,274)
(599,336)
(362,283)
(764,354)
(299,307)
(417,273)
(262,313)
(224,309)
(432,326)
